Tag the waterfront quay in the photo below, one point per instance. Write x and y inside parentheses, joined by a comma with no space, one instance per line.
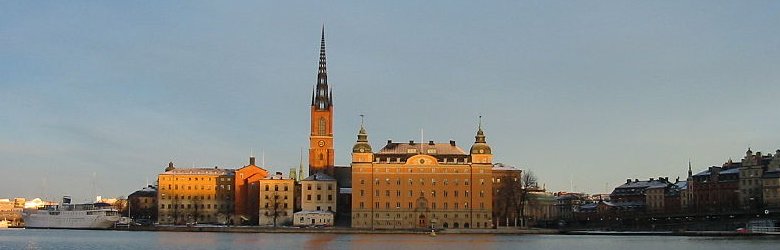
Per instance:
(331,230)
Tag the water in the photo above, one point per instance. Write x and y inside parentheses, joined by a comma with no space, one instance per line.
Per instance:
(85,239)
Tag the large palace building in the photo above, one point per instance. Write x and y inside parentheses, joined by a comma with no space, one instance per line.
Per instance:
(421,185)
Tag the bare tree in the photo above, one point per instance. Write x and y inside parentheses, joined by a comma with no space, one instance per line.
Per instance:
(528,183)
(507,198)
(273,207)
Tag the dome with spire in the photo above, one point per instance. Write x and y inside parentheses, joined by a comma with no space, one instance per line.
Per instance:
(362,146)
(480,144)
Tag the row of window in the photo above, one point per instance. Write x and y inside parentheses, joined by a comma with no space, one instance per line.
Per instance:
(455,205)
(195,206)
(319,197)
(422,193)
(195,187)
(422,182)
(190,197)
(276,187)
(454,160)
(319,187)
(419,170)
(195,179)
(412,215)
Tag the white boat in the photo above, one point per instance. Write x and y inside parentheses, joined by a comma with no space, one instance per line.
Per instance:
(77,216)
(4,223)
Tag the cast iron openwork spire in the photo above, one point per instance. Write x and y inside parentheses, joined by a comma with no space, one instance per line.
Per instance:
(321,98)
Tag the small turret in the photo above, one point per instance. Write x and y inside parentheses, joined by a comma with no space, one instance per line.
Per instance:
(170,167)
(362,146)
(480,144)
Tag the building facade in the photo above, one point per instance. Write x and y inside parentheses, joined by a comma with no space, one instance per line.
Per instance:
(247,203)
(715,189)
(506,195)
(142,204)
(421,185)
(195,195)
(277,198)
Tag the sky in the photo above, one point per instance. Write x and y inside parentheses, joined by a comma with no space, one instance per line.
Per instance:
(96,97)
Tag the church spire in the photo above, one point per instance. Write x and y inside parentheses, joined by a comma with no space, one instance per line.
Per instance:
(690,173)
(321,96)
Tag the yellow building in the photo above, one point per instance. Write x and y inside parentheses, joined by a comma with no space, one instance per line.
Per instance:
(318,201)
(189,195)
(277,200)
(421,185)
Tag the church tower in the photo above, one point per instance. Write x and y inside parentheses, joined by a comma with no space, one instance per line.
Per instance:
(321,154)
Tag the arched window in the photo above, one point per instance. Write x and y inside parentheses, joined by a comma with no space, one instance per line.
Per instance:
(321,128)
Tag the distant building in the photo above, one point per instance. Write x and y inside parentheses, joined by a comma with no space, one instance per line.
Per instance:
(641,196)
(568,204)
(277,198)
(246,186)
(421,185)
(540,208)
(715,189)
(506,195)
(752,169)
(202,195)
(318,198)
(142,204)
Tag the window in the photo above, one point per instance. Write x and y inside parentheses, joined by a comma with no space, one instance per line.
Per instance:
(319,198)
(330,197)
(308,197)
(308,186)
(321,127)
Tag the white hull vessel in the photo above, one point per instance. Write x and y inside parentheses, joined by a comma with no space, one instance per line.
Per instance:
(77,216)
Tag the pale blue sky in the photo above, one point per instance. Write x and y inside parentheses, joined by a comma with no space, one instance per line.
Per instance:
(582,92)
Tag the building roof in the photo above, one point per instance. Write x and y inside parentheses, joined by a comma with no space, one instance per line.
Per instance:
(501,166)
(682,185)
(313,212)
(430,148)
(148,191)
(201,171)
(319,176)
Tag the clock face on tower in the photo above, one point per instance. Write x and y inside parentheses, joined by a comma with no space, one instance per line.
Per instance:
(321,143)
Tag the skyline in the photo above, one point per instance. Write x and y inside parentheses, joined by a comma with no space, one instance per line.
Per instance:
(592,93)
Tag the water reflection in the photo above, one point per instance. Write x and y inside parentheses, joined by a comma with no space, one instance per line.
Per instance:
(85,239)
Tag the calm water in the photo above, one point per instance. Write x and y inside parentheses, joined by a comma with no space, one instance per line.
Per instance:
(78,239)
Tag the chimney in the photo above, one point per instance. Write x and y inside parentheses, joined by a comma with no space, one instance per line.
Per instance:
(636,180)
(431,143)
(389,141)
(251,160)
(411,142)
(452,142)
(628,181)
(651,179)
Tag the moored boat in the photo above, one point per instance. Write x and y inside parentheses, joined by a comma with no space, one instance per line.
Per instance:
(75,216)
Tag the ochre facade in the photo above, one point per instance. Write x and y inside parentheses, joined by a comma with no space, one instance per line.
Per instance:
(421,185)
(195,195)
